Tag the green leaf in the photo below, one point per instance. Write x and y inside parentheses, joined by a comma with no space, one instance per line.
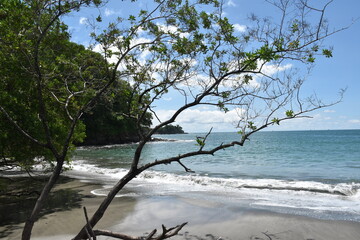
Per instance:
(289,113)
(266,53)
(294,44)
(295,27)
(327,53)
(311,59)
(200,141)
(247,79)
(315,48)
(225,94)
(276,121)
(205,20)
(251,126)
(220,104)
(132,18)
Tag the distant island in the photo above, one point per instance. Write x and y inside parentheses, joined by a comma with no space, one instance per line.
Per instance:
(171,129)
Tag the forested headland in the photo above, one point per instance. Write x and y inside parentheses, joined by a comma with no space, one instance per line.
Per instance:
(171,129)
(109,123)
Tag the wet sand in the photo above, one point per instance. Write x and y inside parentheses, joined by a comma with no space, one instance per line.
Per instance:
(206,220)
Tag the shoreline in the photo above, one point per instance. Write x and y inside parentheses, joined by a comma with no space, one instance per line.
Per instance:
(206,219)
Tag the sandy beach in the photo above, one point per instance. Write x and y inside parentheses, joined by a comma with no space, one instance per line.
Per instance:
(206,219)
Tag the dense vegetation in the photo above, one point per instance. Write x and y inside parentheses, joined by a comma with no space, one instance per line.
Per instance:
(170,129)
(53,92)
(19,83)
(66,89)
(108,121)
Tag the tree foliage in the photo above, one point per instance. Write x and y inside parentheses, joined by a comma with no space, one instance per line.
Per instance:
(26,67)
(47,83)
(108,122)
(170,129)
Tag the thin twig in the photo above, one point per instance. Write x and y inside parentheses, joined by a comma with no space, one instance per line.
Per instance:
(88,224)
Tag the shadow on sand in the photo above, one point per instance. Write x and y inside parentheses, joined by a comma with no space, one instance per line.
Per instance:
(18,197)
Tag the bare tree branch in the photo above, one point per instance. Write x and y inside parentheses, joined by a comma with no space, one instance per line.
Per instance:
(89,229)
(21,130)
(166,233)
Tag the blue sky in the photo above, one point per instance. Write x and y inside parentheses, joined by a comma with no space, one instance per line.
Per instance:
(326,79)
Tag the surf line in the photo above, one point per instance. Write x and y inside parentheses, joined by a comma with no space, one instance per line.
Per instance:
(333,192)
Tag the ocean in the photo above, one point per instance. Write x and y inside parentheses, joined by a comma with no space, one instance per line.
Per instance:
(307,173)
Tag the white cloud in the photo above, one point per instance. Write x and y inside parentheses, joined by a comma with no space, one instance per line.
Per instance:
(231,3)
(109,12)
(202,119)
(239,28)
(329,111)
(172,29)
(271,69)
(83,20)
(317,122)
(208,116)
(114,58)
(267,69)
(356,121)
(233,81)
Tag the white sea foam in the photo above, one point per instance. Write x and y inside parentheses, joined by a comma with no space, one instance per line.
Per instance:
(342,189)
(81,169)
(169,140)
(184,140)
(103,146)
(262,193)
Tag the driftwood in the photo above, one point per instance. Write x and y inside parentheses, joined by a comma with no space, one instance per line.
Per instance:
(166,233)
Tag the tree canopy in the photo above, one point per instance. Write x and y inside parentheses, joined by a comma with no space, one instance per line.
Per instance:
(70,76)
(170,129)
(27,68)
(47,84)
(109,123)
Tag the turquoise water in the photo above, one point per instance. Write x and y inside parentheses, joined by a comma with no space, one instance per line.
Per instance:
(315,173)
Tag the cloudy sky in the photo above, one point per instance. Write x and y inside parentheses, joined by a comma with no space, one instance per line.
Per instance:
(326,79)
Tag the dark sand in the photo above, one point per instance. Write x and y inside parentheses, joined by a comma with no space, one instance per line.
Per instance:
(206,220)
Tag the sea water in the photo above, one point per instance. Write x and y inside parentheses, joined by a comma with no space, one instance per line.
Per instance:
(311,173)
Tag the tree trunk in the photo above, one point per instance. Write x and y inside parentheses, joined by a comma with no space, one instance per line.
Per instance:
(106,202)
(29,224)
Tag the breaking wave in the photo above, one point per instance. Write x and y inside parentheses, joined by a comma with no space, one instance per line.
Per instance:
(340,201)
(197,181)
